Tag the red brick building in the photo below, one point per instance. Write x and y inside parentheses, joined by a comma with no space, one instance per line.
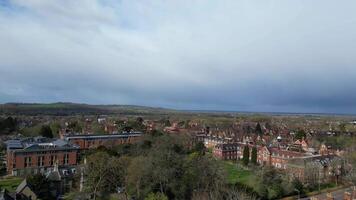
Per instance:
(228,151)
(39,155)
(276,157)
(109,140)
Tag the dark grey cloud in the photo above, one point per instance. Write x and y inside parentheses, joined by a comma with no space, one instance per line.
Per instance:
(296,56)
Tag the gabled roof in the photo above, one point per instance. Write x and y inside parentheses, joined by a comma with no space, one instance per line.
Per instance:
(5,196)
(22,186)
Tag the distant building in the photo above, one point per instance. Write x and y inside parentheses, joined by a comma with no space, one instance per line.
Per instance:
(60,181)
(39,155)
(108,140)
(303,143)
(211,141)
(315,169)
(276,157)
(229,151)
(101,120)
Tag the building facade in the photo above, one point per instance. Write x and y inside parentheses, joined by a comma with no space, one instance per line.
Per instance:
(228,151)
(276,157)
(108,140)
(39,155)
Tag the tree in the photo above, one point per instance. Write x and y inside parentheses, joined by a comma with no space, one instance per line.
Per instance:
(258,129)
(262,190)
(156,196)
(351,160)
(246,155)
(8,125)
(269,183)
(139,120)
(97,128)
(167,122)
(268,126)
(46,131)
(300,134)
(342,127)
(55,127)
(104,173)
(236,193)
(199,147)
(40,186)
(170,167)
(75,126)
(275,191)
(254,156)
(297,185)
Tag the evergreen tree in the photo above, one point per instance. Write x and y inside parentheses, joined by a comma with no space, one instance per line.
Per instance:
(40,186)
(246,155)
(46,131)
(258,129)
(300,134)
(254,156)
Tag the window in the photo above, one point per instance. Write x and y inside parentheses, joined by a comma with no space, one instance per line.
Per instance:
(53,160)
(65,159)
(40,161)
(28,161)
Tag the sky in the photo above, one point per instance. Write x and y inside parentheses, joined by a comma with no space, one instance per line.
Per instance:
(238,55)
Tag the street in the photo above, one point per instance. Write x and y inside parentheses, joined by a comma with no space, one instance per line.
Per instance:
(338,194)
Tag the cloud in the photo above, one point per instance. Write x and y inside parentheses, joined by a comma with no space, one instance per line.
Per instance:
(293,56)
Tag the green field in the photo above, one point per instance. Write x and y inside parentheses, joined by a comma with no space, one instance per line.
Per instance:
(10,183)
(237,174)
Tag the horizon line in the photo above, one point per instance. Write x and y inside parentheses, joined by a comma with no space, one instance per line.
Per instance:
(196,110)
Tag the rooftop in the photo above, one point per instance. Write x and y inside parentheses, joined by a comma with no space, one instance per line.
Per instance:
(92,136)
(37,143)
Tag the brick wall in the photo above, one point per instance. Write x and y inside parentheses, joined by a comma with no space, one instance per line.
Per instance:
(16,160)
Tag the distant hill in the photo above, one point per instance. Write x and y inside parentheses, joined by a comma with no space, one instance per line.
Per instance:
(64,108)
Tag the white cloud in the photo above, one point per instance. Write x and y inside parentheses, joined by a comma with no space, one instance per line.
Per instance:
(176,52)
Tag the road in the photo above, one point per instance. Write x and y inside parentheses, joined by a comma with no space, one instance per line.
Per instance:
(338,194)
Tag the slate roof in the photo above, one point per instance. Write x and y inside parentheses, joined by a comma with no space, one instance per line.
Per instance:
(38,143)
(5,196)
(97,136)
(22,186)
(14,144)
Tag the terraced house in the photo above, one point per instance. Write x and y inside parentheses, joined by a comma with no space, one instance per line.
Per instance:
(39,155)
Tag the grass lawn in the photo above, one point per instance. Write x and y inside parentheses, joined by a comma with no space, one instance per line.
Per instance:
(10,183)
(238,175)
